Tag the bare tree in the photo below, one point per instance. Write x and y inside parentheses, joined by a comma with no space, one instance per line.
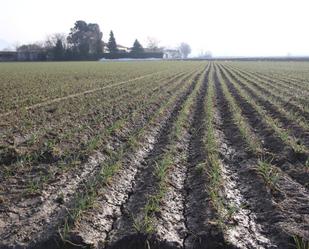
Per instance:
(7,49)
(184,49)
(51,40)
(32,47)
(16,45)
(205,55)
(153,44)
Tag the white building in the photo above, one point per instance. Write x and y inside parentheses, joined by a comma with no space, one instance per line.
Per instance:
(171,54)
(121,49)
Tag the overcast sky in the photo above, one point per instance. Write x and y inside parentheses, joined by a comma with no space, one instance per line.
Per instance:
(224,27)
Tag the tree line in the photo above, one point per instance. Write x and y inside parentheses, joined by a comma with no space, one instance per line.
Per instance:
(85,41)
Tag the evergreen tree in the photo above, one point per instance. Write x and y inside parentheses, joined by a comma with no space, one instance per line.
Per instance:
(137,47)
(112,45)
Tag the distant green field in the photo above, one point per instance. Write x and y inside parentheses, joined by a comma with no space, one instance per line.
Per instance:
(24,84)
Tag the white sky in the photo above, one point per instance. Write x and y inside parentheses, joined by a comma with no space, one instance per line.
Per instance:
(224,27)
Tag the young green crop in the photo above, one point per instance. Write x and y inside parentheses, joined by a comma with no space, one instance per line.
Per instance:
(114,164)
(271,122)
(266,95)
(166,161)
(246,132)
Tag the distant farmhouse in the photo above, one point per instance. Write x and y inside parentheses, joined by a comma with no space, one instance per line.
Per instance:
(121,49)
(8,56)
(171,54)
(30,52)
(124,52)
(23,56)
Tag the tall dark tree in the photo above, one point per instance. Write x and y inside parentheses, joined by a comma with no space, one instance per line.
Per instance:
(153,44)
(77,38)
(95,39)
(137,47)
(85,38)
(112,45)
(99,47)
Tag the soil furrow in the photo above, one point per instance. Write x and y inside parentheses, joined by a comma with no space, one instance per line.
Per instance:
(111,202)
(281,154)
(284,84)
(131,124)
(48,102)
(286,89)
(290,199)
(297,111)
(55,200)
(100,116)
(172,220)
(302,83)
(287,102)
(199,214)
(130,223)
(290,81)
(206,158)
(287,123)
(251,225)
(22,102)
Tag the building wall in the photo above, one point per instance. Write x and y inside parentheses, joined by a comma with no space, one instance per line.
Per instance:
(8,56)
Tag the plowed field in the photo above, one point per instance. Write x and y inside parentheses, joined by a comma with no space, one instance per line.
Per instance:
(154,155)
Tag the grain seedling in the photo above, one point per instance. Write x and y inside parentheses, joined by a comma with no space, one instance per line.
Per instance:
(266,95)
(245,130)
(163,164)
(113,165)
(271,122)
(269,174)
(300,243)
